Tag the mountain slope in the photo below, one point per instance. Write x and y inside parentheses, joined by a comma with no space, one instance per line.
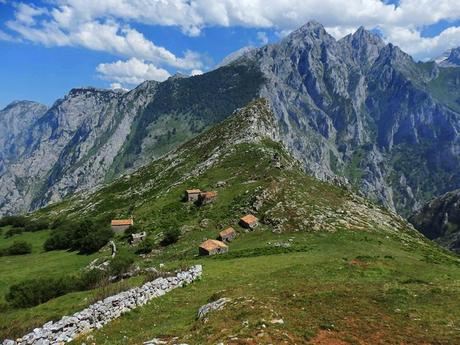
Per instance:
(439,220)
(318,245)
(15,122)
(273,191)
(95,135)
(356,108)
(366,111)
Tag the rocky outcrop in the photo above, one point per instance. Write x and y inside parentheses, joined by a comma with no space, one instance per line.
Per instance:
(439,220)
(97,315)
(216,305)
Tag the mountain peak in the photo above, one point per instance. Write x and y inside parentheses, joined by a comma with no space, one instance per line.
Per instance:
(19,103)
(365,45)
(365,35)
(251,123)
(312,29)
(450,58)
(312,25)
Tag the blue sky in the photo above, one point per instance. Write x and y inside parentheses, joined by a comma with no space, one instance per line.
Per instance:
(49,47)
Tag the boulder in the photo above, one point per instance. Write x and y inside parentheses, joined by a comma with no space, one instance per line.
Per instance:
(216,305)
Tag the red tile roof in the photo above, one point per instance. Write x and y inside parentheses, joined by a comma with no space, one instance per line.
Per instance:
(116,222)
(209,195)
(226,232)
(249,219)
(212,244)
(193,191)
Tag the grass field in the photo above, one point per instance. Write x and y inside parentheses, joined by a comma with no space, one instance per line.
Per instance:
(39,263)
(356,288)
(14,269)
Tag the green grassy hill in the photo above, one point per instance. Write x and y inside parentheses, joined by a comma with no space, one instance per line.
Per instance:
(333,266)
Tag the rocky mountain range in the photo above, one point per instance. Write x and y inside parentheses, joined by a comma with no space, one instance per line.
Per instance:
(92,135)
(354,108)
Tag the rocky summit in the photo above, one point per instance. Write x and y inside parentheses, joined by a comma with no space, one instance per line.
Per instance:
(451,58)
(355,108)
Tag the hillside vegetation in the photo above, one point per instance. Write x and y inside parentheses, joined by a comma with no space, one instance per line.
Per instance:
(325,266)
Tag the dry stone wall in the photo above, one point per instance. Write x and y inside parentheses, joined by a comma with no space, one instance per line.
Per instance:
(97,315)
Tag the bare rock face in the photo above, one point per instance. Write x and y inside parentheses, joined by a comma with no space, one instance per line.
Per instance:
(363,109)
(15,123)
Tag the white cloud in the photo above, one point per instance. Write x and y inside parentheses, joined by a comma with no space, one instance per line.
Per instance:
(78,23)
(262,37)
(5,37)
(106,25)
(196,72)
(340,31)
(425,47)
(132,72)
(26,13)
(118,86)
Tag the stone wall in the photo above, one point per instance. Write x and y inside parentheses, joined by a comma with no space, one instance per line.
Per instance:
(97,315)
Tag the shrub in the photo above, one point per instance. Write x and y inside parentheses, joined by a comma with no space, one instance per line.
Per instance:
(171,236)
(32,292)
(85,236)
(58,240)
(36,225)
(13,231)
(94,240)
(131,230)
(146,246)
(92,279)
(17,248)
(57,223)
(121,263)
(14,221)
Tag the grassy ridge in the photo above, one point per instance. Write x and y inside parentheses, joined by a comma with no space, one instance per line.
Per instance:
(333,265)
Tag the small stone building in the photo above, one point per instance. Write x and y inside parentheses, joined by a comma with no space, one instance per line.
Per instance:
(207,197)
(212,247)
(138,237)
(249,221)
(120,225)
(227,235)
(192,194)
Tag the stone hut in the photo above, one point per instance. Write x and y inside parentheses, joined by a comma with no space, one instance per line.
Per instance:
(138,237)
(207,197)
(212,247)
(227,235)
(192,194)
(249,221)
(120,225)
